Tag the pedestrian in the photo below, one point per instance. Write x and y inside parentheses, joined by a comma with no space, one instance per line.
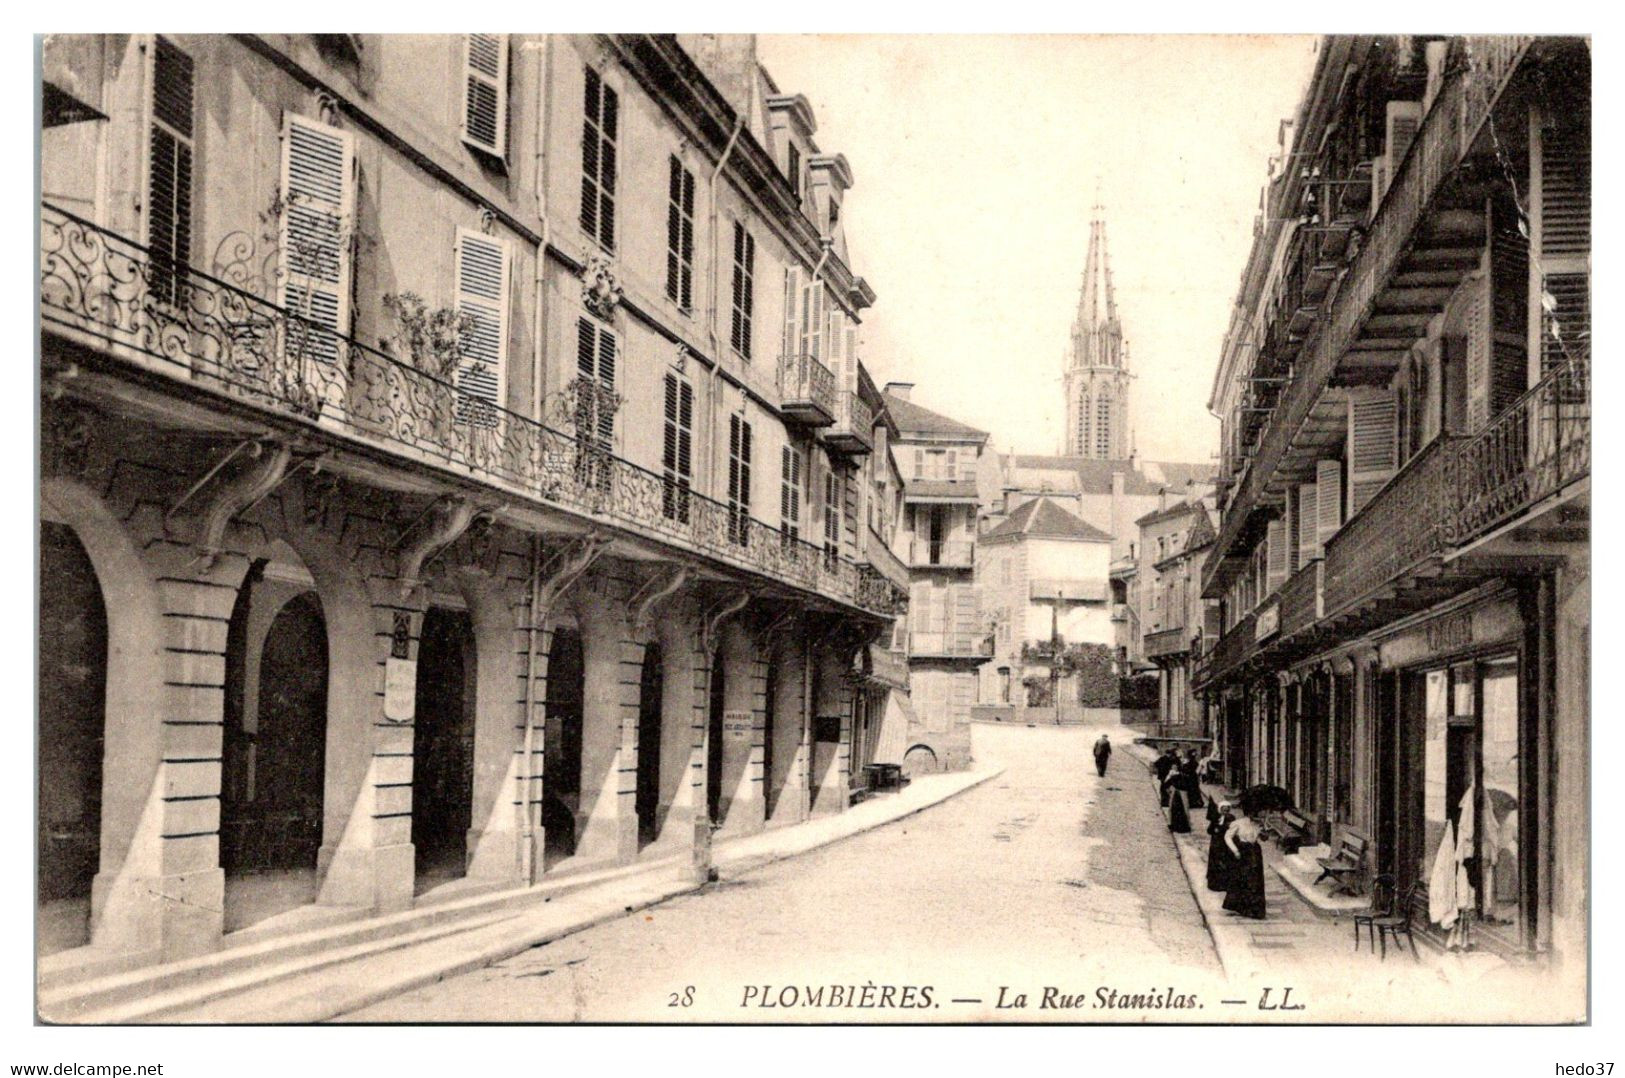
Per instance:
(1103,754)
(1163,764)
(1191,780)
(1179,817)
(1245,895)
(1221,863)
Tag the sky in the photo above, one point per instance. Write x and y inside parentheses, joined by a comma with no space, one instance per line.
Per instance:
(976,161)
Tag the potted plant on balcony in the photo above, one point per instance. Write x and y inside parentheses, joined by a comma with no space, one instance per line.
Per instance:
(585,410)
(433,342)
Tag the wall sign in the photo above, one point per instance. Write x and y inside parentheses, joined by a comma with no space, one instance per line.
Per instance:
(1268,622)
(1450,633)
(737,725)
(400,689)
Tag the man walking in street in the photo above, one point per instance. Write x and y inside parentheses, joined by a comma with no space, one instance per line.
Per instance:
(1103,753)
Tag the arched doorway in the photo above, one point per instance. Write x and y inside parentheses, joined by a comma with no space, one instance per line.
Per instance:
(72,713)
(273,764)
(561,782)
(650,704)
(920,760)
(443,746)
(713,741)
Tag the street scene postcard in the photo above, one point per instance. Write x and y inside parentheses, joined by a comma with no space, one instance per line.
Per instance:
(822,529)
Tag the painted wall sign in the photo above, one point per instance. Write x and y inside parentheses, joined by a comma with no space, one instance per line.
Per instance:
(400,689)
(736,725)
(1268,622)
(1446,634)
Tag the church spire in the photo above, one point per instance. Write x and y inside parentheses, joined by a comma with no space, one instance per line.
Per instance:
(1097,403)
(1097,302)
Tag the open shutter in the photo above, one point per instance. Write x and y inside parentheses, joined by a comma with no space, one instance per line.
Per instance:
(1275,560)
(169,170)
(1308,523)
(677,448)
(1373,447)
(792,310)
(318,187)
(1328,499)
(964,620)
(482,298)
(1565,240)
(485,92)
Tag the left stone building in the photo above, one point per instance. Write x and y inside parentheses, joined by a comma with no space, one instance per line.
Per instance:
(455,464)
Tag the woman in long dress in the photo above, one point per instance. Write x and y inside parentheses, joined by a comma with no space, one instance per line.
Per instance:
(1191,781)
(1246,892)
(1221,863)
(1179,818)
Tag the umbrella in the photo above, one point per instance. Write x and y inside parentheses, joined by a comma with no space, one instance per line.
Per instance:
(1262,798)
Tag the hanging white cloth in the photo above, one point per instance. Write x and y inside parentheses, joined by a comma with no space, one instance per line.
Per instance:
(1465,898)
(1442,907)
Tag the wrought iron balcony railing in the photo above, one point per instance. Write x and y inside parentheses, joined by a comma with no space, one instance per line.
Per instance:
(951,645)
(1534,449)
(807,390)
(1441,143)
(878,554)
(1174,641)
(854,428)
(100,289)
(941,553)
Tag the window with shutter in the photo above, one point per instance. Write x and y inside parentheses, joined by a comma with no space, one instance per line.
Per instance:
(680,237)
(812,320)
(832,517)
(744,288)
(1328,499)
(1308,523)
(1565,240)
(169,171)
(485,93)
(596,348)
(792,310)
(1275,559)
(600,121)
(482,299)
(790,493)
(793,170)
(1373,448)
(1404,119)
(677,453)
(318,186)
(738,480)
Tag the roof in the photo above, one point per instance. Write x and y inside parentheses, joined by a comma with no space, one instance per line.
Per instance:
(1178,509)
(1140,477)
(925,489)
(1043,519)
(912,419)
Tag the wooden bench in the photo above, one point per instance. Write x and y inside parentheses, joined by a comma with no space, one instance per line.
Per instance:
(1346,866)
(1291,829)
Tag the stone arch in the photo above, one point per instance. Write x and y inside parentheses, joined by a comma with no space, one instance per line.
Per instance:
(920,759)
(133,808)
(563,701)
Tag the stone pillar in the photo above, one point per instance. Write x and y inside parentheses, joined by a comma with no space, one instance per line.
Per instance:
(501,647)
(682,696)
(832,734)
(788,781)
(744,698)
(606,820)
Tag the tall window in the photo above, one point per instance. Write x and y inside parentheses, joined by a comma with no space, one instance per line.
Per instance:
(169,170)
(594,411)
(790,492)
(677,457)
(318,187)
(738,480)
(485,92)
(601,116)
(744,298)
(680,237)
(832,516)
(482,296)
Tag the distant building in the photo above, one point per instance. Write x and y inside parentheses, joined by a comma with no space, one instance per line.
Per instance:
(946,638)
(1096,378)
(1173,627)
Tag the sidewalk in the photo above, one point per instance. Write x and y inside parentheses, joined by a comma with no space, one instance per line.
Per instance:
(312,983)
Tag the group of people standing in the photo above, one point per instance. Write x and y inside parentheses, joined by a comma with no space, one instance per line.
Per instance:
(1235,858)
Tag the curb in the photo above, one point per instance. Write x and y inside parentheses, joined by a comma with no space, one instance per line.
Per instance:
(524,941)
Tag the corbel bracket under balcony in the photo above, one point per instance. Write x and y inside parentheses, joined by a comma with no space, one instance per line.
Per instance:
(712,620)
(565,567)
(268,465)
(447,519)
(640,608)
(779,624)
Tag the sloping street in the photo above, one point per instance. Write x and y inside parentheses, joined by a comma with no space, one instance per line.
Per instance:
(1046,877)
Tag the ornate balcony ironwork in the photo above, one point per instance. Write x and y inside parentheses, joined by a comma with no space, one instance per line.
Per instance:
(1536,448)
(1401,527)
(878,554)
(854,429)
(806,390)
(102,290)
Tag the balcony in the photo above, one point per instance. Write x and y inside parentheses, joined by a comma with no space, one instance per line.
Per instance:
(197,337)
(941,553)
(940,490)
(1167,642)
(1376,313)
(877,553)
(854,430)
(949,645)
(1301,599)
(806,390)
(1119,611)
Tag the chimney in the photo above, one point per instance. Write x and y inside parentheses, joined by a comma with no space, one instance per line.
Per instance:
(1167,498)
(729,62)
(1119,536)
(900,390)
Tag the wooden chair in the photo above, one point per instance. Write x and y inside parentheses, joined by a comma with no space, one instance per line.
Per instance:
(1398,923)
(1382,905)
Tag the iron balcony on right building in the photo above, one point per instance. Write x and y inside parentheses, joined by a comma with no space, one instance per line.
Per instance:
(1402,562)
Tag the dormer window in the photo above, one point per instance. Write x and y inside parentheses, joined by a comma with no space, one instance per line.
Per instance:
(834,214)
(794,170)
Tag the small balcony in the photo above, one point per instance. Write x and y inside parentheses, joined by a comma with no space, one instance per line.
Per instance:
(853,432)
(879,555)
(949,645)
(1167,643)
(806,390)
(941,553)
(1068,591)
(1301,598)
(1119,611)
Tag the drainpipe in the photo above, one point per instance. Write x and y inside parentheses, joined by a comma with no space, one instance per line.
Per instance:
(538,322)
(711,320)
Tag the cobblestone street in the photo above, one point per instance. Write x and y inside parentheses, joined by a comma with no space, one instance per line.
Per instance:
(1044,877)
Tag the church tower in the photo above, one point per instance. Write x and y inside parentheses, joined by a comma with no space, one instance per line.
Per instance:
(1097,376)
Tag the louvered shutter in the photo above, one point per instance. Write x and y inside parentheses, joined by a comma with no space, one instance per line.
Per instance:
(677,447)
(482,298)
(1565,242)
(1373,448)
(600,124)
(1308,523)
(1404,119)
(169,170)
(792,310)
(318,185)
(1294,529)
(1328,499)
(964,620)
(485,92)
(1275,561)
(680,236)
(739,450)
(790,492)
